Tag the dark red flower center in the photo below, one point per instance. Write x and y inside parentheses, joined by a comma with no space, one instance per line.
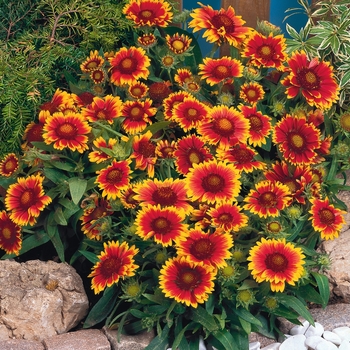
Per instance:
(326,216)
(296,141)
(98,213)
(292,185)
(188,279)
(242,156)
(136,113)
(167,152)
(6,232)
(147,149)
(276,262)
(222,20)
(213,183)
(34,133)
(266,51)
(192,114)
(127,65)
(274,227)
(225,218)
(97,76)
(146,15)
(164,196)
(161,225)
(159,91)
(110,266)
(221,72)
(268,199)
(202,248)
(114,176)
(308,79)
(223,127)
(67,131)
(194,156)
(27,198)
(255,123)
(10,165)
(92,64)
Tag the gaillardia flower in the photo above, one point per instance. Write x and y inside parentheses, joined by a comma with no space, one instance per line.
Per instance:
(212,182)
(98,155)
(219,70)
(315,80)
(25,199)
(67,131)
(187,282)
(115,261)
(297,139)
(220,25)
(114,178)
(251,93)
(277,262)
(10,234)
(165,225)
(209,248)
(93,62)
(8,165)
(267,199)
(149,12)
(177,43)
(325,218)
(129,65)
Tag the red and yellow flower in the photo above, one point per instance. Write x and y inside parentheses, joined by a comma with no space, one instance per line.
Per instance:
(187,282)
(116,262)
(138,90)
(9,165)
(220,70)
(129,65)
(99,155)
(10,234)
(114,178)
(171,101)
(325,218)
(297,140)
(67,131)
(267,199)
(313,79)
(220,25)
(165,225)
(149,12)
(213,182)
(25,199)
(251,93)
(93,62)
(183,76)
(210,248)
(177,43)
(165,149)
(276,262)
(103,109)
(147,40)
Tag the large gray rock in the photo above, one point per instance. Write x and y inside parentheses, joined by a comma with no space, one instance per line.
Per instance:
(39,299)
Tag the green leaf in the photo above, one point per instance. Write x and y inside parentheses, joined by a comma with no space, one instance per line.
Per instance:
(309,293)
(203,317)
(323,287)
(92,257)
(292,32)
(247,326)
(179,338)
(102,308)
(292,302)
(226,339)
(345,79)
(59,217)
(247,316)
(54,234)
(160,342)
(77,188)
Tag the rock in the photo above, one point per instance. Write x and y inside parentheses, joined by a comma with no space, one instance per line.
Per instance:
(332,316)
(254,346)
(39,299)
(300,329)
(342,332)
(128,342)
(312,341)
(326,345)
(257,337)
(332,337)
(314,330)
(86,339)
(273,346)
(345,345)
(21,344)
(295,342)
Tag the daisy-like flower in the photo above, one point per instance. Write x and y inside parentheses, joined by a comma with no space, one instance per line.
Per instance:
(177,43)
(171,101)
(189,113)
(295,177)
(227,216)
(138,90)
(213,182)
(144,153)
(315,80)
(114,178)
(127,197)
(251,93)
(276,262)
(147,40)
(183,76)
(129,65)
(93,62)
(165,149)
(159,91)
(260,125)
(220,25)
(10,234)
(9,165)
(83,99)
(98,76)
(168,61)
(25,199)
(325,218)
(219,70)
(190,150)
(164,193)
(187,282)
(297,140)
(116,262)
(67,131)
(210,248)
(241,156)
(59,98)
(103,109)
(98,155)
(225,126)
(137,115)
(267,199)
(265,51)
(149,12)
(165,225)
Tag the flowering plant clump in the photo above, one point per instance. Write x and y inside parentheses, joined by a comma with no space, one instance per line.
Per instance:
(196,190)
